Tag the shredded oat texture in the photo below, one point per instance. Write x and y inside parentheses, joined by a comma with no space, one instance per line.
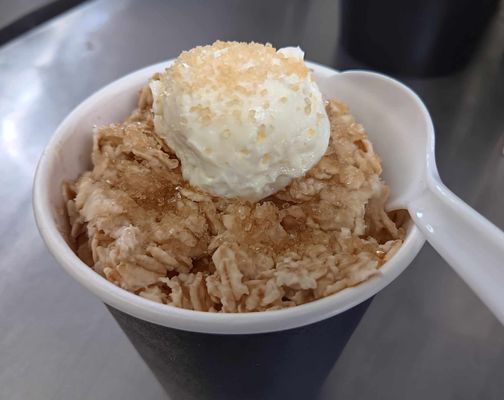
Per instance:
(135,221)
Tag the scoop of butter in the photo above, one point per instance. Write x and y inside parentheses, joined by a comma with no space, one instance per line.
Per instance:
(243,118)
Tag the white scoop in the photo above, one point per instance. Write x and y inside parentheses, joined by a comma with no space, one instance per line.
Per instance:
(472,245)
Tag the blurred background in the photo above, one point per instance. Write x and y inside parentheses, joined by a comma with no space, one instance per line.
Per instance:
(425,336)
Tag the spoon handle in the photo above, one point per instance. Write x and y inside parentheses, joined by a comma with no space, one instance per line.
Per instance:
(471,244)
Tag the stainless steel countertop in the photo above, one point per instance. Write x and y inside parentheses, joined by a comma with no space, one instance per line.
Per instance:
(425,336)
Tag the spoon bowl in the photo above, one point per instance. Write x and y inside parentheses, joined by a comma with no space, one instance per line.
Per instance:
(400,137)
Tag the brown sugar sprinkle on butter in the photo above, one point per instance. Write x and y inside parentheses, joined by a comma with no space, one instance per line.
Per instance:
(226,65)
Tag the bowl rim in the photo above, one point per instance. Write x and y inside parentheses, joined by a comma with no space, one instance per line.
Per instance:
(179,318)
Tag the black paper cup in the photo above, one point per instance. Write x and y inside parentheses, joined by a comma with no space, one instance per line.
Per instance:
(291,364)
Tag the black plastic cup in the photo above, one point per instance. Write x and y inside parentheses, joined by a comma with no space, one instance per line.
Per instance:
(291,364)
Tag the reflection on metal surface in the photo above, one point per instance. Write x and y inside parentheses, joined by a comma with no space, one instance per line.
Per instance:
(12,124)
(9,138)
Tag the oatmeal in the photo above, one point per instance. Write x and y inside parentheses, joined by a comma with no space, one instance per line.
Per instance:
(135,221)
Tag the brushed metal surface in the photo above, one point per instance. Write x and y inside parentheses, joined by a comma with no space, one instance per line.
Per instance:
(425,336)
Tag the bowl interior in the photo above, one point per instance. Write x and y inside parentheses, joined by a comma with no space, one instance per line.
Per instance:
(68,155)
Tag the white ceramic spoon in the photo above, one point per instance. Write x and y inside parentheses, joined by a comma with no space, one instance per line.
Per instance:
(401,130)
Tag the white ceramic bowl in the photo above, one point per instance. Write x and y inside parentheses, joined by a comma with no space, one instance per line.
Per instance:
(68,155)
